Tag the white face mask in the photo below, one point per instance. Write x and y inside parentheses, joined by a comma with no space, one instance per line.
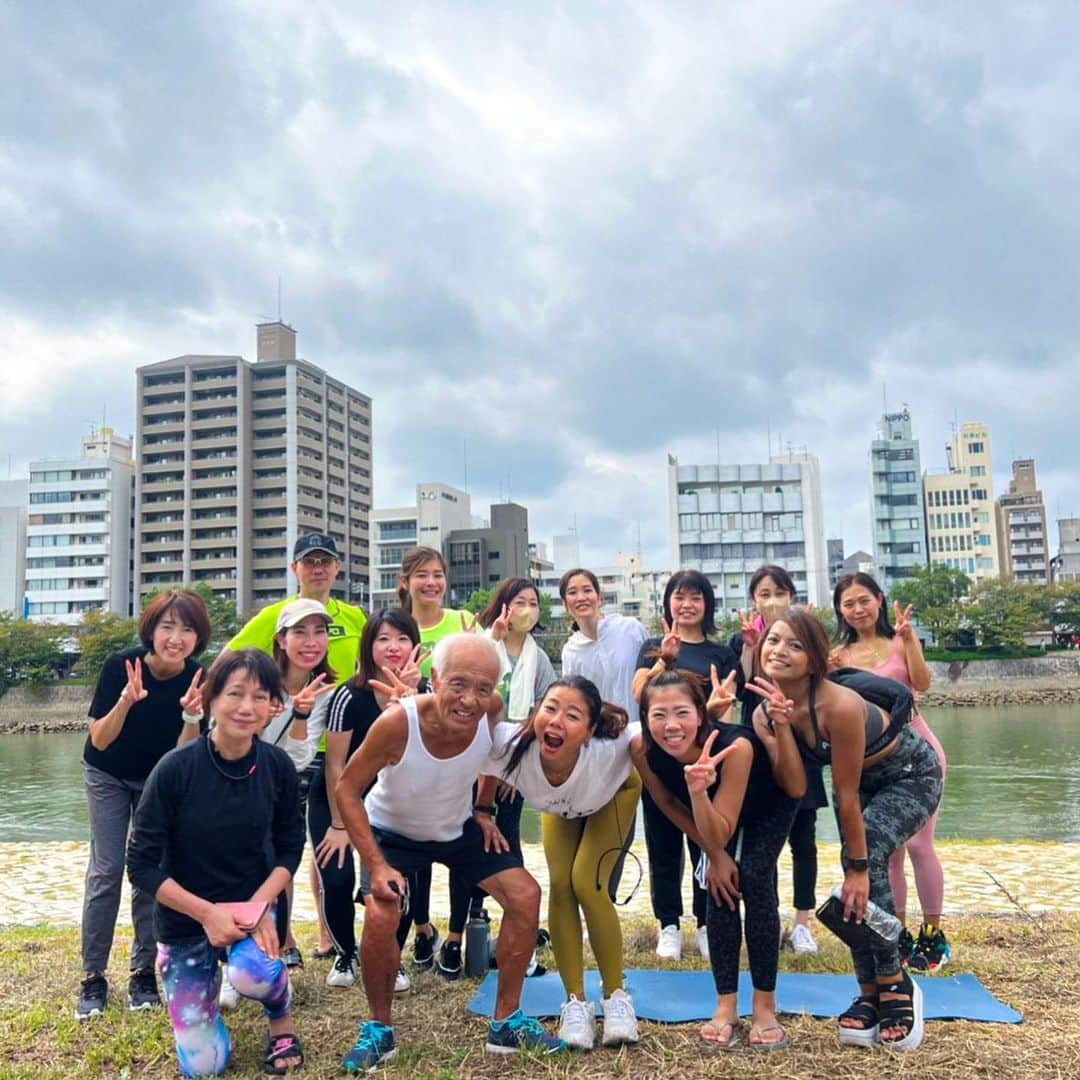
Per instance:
(524,620)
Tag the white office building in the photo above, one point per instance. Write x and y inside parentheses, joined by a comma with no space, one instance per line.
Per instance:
(727,520)
(13,503)
(78,533)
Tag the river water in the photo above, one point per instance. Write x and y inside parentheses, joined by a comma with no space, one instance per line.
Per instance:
(1014,774)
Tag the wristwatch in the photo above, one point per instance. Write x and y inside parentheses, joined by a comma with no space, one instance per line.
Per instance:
(480,808)
(860,866)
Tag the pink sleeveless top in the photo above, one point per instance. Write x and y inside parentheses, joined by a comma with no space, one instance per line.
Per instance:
(894,666)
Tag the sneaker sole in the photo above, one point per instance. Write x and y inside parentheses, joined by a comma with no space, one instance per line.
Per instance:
(144,1006)
(505,1051)
(620,1040)
(384,1060)
(89,1015)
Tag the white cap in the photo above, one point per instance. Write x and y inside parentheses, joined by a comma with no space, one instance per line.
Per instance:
(297,611)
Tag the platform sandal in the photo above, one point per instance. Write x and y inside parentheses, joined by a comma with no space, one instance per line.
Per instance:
(900,1014)
(864,1009)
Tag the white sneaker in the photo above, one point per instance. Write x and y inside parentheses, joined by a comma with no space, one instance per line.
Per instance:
(577,1024)
(228,997)
(702,936)
(343,971)
(402,982)
(620,1020)
(669,944)
(802,941)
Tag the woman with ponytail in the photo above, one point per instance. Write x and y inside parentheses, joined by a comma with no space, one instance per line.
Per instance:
(571,761)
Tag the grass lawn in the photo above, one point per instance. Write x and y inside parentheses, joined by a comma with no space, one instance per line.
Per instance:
(1031,965)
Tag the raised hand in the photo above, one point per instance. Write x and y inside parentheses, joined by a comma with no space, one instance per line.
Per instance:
(501,626)
(133,691)
(395,688)
(304,700)
(669,645)
(780,705)
(723,693)
(836,659)
(468,623)
(748,628)
(701,775)
(192,701)
(409,672)
(902,621)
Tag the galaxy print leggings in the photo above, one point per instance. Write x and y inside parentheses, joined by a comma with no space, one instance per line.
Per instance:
(191,975)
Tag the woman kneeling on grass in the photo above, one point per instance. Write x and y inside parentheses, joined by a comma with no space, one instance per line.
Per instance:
(571,761)
(219,822)
(734,792)
(887,784)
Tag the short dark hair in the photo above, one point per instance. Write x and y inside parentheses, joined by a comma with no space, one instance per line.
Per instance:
(398,618)
(845,632)
(810,632)
(255,662)
(503,596)
(695,581)
(779,575)
(189,608)
(564,584)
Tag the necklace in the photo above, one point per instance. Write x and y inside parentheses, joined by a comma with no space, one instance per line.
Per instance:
(228,775)
(873,651)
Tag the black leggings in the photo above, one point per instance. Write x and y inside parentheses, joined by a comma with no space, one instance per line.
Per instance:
(803,842)
(755,848)
(664,844)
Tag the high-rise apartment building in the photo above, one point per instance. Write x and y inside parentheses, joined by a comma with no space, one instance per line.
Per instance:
(835,548)
(959,506)
(1023,544)
(14,496)
(439,509)
(896,498)
(236,459)
(78,532)
(726,520)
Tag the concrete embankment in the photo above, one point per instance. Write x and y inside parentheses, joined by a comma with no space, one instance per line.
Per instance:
(1037,681)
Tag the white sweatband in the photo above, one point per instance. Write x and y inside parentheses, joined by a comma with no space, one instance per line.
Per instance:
(191,718)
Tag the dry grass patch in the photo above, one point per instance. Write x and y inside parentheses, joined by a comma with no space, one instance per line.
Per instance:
(1029,964)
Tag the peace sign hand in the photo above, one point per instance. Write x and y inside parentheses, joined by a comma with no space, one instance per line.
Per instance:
(701,775)
(395,689)
(780,705)
(669,645)
(748,629)
(723,694)
(409,672)
(501,626)
(902,621)
(192,701)
(133,691)
(304,700)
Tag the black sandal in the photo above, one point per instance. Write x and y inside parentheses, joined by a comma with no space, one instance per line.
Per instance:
(902,1014)
(281,1048)
(864,1009)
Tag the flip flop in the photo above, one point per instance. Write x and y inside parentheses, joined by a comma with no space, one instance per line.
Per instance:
(324,954)
(765,1047)
(730,1042)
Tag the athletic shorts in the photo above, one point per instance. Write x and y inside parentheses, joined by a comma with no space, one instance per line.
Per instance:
(465,855)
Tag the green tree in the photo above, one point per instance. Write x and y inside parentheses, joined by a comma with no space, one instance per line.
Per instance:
(102,633)
(31,652)
(1062,605)
(478,601)
(1002,611)
(937,595)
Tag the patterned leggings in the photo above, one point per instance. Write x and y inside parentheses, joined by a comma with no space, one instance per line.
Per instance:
(899,796)
(191,975)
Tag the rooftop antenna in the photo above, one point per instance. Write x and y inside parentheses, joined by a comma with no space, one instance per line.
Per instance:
(279,298)
(465,460)
(884,401)
(768,428)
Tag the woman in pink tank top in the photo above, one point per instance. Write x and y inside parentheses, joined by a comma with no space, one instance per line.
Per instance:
(872,643)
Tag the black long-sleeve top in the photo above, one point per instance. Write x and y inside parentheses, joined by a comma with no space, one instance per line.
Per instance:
(216,827)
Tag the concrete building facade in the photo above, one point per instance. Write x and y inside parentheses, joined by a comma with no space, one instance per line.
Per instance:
(479,558)
(726,520)
(1020,519)
(78,532)
(236,459)
(14,499)
(899,527)
(1065,566)
(959,507)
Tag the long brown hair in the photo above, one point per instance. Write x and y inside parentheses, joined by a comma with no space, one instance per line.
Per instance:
(413,560)
(810,633)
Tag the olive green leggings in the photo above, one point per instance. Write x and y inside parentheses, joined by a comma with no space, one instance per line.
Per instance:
(585,857)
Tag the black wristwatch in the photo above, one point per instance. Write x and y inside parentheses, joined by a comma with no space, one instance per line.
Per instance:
(481,809)
(860,866)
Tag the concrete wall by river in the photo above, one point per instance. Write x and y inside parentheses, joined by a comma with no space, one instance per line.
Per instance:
(1049,679)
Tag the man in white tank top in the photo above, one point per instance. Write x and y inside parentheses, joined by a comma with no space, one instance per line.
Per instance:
(423,755)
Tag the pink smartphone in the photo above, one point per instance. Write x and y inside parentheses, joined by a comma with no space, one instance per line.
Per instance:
(247,913)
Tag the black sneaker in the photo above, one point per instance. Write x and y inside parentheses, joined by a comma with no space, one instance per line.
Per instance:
(910,956)
(142,990)
(93,997)
(449,963)
(933,948)
(424,948)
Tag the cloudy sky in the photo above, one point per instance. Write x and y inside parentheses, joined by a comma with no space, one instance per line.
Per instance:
(577,236)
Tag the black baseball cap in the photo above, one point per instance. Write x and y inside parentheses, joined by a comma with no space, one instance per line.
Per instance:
(310,542)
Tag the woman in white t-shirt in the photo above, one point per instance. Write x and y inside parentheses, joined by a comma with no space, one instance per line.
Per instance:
(603,648)
(571,760)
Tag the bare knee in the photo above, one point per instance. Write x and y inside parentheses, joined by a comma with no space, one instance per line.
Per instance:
(381,917)
(518,893)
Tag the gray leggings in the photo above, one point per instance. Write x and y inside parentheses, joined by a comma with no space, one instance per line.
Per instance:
(898,795)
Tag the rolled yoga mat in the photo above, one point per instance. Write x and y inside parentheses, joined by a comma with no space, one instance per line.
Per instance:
(676,997)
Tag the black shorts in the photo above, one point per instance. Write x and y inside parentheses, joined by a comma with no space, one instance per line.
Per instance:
(465,855)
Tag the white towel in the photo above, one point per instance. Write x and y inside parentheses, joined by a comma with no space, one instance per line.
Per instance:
(522,677)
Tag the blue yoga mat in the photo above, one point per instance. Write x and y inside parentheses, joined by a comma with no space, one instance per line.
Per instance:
(675,997)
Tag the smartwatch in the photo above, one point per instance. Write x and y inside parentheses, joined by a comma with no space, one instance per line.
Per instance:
(480,808)
(860,866)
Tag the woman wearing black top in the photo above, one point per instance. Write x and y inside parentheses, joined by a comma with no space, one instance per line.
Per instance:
(219,823)
(147,699)
(689,609)
(390,642)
